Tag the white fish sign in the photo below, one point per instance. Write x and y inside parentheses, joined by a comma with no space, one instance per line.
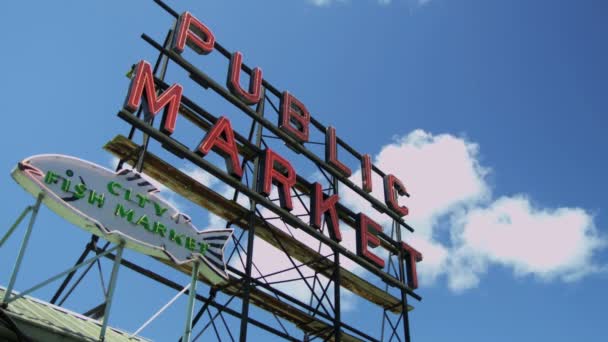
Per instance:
(124,207)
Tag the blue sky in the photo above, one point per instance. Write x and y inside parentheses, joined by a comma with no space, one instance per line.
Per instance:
(493,113)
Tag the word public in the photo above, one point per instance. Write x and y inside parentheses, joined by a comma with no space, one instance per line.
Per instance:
(294,119)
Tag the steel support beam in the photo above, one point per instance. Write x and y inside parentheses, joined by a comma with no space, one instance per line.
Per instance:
(22,248)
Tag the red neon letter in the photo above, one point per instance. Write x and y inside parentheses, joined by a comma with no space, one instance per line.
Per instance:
(321,204)
(255,81)
(279,172)
(366,172)
(192,32)
(294,117)
(331,152)
(221,139)
(392,183)
(366,238)
(170,99)
(413,256)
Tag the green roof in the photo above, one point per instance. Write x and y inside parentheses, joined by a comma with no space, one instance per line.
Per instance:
(42,321)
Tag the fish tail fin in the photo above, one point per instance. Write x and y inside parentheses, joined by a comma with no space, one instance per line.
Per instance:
(216,241)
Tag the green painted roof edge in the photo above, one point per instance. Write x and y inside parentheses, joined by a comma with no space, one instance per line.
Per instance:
(61,321)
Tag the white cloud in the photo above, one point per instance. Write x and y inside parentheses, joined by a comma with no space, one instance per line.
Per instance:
(450,193)
(200,175)
(546,243)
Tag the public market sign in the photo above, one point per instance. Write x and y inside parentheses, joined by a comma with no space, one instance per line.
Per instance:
(293,127)
(122,207)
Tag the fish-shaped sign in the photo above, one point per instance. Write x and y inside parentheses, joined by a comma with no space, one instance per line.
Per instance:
(124,207)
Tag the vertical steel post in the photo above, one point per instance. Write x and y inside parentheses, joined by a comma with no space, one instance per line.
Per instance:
(110,295)
(406,321)
(22,249)
(337,316)
(337,282)
(190,307)
(251,226)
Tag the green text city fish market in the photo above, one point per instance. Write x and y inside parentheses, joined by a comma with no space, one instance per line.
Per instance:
(97,199)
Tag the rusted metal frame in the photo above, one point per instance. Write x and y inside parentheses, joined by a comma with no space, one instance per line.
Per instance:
(177,287)
(212,323)
(273,292)
(299,196)
(259,112)
(263,277)
(336,278)
(226,325)
(294,144)
(287,280)
(308,142)
(314,261)
(324,174)
(404,313)
(324,295)
(392,265)
(235,248)
(283,295)
(324,289)
(181,150)
(289,257)
(271,137)
(207,303)
(319,252)
(299,303)
(73,287)
(278,217)
(385,317)
(88,248)
(394,333)
(238,252)
(319,333)
(287,228)
(393,328)
(294,266)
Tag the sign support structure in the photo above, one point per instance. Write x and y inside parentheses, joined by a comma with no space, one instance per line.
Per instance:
(191,299)
(24,242)
(110,294)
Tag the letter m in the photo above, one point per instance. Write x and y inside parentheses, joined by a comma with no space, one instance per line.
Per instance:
(143,85)
(124,213)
